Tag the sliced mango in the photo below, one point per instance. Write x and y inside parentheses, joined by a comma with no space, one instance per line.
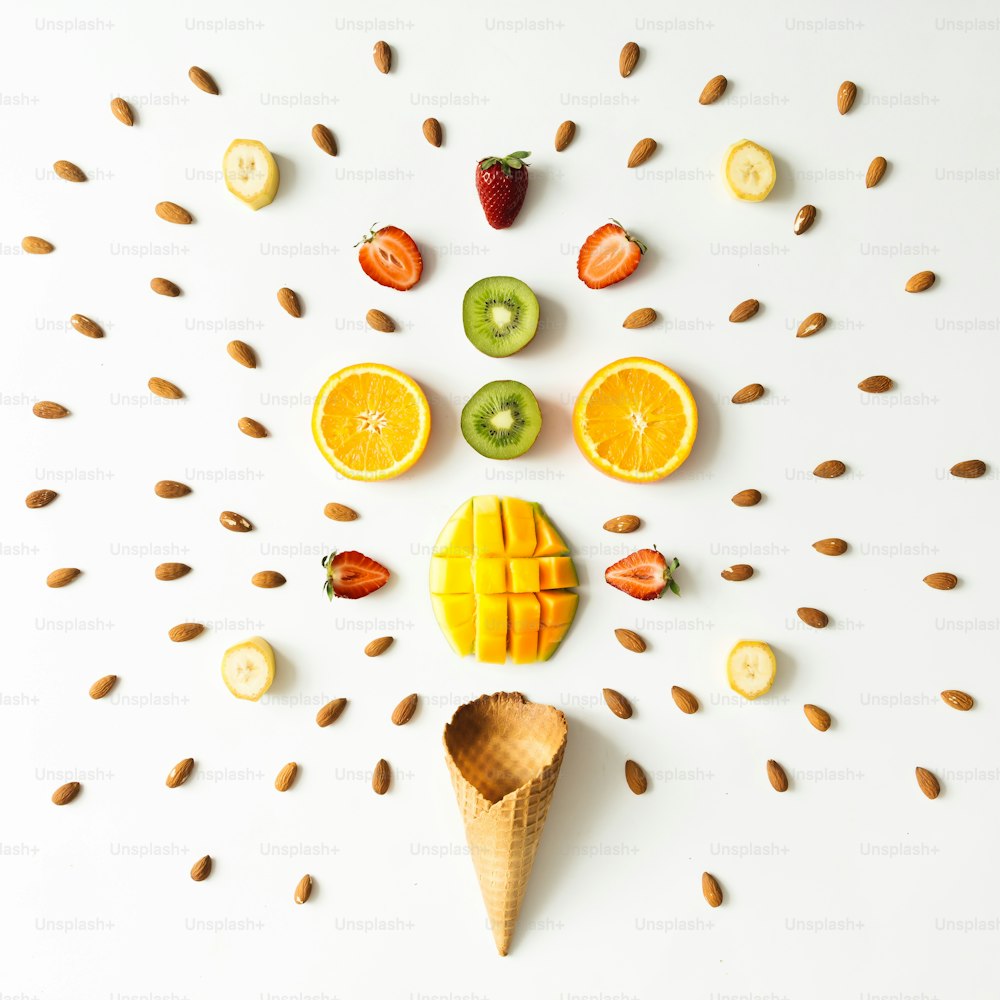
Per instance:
(555,572)
(522,576)
(487,530)
(456,617)
(451,576)
(549,638)
(491,628)
(518,526)
(456,536)
(548,541)
(490,575)
(558,607)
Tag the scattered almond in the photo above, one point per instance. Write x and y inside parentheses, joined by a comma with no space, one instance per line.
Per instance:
(403,712)
(635,777)
(813,323)
(164,286)
(641,152)
(286,776)
(101,688)
(804,218)
(69,171)
(180,772)
(185,632)
(340,512)
(234,522)
(713,90)
(382,56)
(121,111)
(242,353)
(330,712)
(304,889)
(684,700)
(161,387)
(639,318)
(876,171)
(748,393)
(831,546)
(628,58)
(66,793)
(958,699)
(289,301)
(711,889)
(623,524)
(378,320)
(170,489)
(323,138)
(830,470)
(928,783)
(776,775)
(875,383)
(819,718)
(378,646)
(738,572)
(941,581)
(564,135)
(630,640)
(744,311)
(381,777)
(62,577)
(268,579)
(202,80)
(845,97)
(971,469)
(747,498)
(921,281)
(432,131)
(618,703)
(202,868)
(252,428)
(814,617)
(48,410)
(172,212)
(86,326)
(35,244)
(171,571)
(40,498)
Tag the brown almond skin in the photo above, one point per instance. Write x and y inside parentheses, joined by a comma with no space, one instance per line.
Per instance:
(323,138)
(378,646)
(623,524)
(164,286)
(203,80)
(564,135)
(432,131)
(170,489)
(819,718)
(164,389)
(941,581)
(748,394)
(268,579)
(684,700)
(876,171)
(830,546)
(86,326)
(747,498)
(804,219)
(635,777)
(381,777)
(330,712)
(813,323)
(639,319)
(101,688)
(738,573)
(35,244)
(40,498)
(776,775)
(339,512)
(202,868)
(618,703)
(404,711)
(958,699)
(744,311)
(234,522)
(289,301)
(928,783)
(180,772)
(48,410)
(875,383)
(831,469)
(304,889)
(285,778)
(171,571)
(846,94)
(921,281)
(69,171)
(170,211)
(713,90)
(65,794)
(252,428)
(632,641)
(185,632)
(627,59)
(242,353)
(813,617)
(711,889)
(121,110)
(378,320)
(62,577)
(641,152)
(971,469)
(382,56)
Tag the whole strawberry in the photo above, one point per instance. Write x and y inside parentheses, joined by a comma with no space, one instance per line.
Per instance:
(502,183)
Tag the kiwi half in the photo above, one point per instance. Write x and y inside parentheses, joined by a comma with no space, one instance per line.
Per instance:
(500,315)
(502,419)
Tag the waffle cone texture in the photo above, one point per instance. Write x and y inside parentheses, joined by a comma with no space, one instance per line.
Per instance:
(504,754)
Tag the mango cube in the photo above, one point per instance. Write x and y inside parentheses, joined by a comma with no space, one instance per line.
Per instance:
(490,575)
(522,576)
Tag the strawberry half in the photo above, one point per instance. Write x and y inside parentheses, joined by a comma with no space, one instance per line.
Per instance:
(608,256)
(502,183)
(643,575)
(391,258)
(352,575)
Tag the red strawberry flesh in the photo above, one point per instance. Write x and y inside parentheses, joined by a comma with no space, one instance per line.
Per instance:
(608,256)
(353,575)
(642,574)
(391,258)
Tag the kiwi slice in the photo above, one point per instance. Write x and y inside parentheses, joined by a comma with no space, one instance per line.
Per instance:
(502,419)
(500,315)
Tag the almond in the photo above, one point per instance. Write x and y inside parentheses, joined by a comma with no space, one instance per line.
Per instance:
(234,522)
(921,281)
(941,581)
(180,772)
(286,776)
(875,383)
(618,703)
(202,868)
(641,152)
(242,353)
(711,889)
(819,718)
(170,489)
(776,775)
(744,311)
(628,58)
(748,393)
(381,777)
(684,700)
(382,55)
(171,212)
(564,135)
(378,646)
(747,498)
(830,470)
(845,97)
(185,631)
(69,171)
(66,793)
(958,699)
(971,469)
(804,218)
(403,712)
(630,640)
(252,428)
(86,326)
(101,688)
(330,712)
(121,111)
(35,244)
(639,318)
(623,524)
(268,579)
(48,410)
(928,783)
(171,571)
(813,617)
(378,320)
(40,498)
(62,577)
(164,286)
(340,512)
(202,80)
(432,131)
(635,777)
(304,889)
(166,390)
(813,323)
(323,138)
(876,171)
(830,546)
(713,90)
(738,572)
(289,301)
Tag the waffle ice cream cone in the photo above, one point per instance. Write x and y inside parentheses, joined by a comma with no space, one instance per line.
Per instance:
(504,754)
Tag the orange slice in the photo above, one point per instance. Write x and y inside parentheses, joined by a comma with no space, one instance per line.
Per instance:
(371,422)
(635,420)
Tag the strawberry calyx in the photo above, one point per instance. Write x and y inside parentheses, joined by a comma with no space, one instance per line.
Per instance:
(642,246)
(366,239)
(515,161)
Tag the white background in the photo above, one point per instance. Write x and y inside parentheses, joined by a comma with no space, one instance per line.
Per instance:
(852,883)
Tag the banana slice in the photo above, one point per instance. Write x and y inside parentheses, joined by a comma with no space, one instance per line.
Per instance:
(751,668)
(749,171)
(251,173)
(248,668)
